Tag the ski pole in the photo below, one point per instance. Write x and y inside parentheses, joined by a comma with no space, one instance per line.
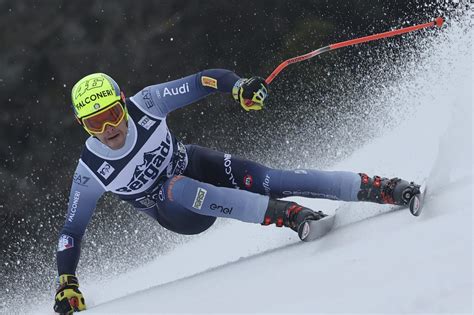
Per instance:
(437,22)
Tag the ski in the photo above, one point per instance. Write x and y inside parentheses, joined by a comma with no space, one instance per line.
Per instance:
(416,202)
(311,230)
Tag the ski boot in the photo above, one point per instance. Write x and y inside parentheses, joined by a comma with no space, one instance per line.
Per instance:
(394,191)
(289,214)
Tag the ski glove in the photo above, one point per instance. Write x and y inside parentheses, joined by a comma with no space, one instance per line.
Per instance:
(68,297)
(250,93)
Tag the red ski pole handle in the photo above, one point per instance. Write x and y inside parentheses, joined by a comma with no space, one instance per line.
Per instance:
(436,22)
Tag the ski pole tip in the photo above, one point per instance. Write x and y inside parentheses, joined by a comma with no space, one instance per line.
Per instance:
(439,21)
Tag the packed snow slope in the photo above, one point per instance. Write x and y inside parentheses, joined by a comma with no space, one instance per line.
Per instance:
(378,259)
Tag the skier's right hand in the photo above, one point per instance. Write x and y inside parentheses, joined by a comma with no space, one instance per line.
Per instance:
(68,297)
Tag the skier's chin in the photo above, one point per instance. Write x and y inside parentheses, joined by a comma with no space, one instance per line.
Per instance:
(116,141)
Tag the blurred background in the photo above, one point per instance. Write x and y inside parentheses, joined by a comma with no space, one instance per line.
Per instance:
(49,45)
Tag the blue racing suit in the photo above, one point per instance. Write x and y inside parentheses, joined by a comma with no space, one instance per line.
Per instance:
(183,187)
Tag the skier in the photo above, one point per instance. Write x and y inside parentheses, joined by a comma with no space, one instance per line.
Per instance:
(132,154)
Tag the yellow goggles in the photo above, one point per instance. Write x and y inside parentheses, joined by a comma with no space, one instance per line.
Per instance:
(111,115)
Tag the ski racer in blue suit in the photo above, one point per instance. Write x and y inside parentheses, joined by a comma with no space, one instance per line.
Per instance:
(132,154)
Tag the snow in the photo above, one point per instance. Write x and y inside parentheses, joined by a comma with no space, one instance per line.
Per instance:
(379,259)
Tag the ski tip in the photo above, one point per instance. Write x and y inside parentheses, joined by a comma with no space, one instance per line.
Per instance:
(311,230)
(415,205)
(416,202)
(303,230)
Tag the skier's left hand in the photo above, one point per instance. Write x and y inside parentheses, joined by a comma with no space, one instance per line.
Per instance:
(250,93)
(68,297)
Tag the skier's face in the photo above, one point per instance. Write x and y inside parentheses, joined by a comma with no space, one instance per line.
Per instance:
(114,137)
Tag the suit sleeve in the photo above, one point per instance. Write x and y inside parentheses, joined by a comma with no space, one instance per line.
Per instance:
(85,192)
(161,99)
